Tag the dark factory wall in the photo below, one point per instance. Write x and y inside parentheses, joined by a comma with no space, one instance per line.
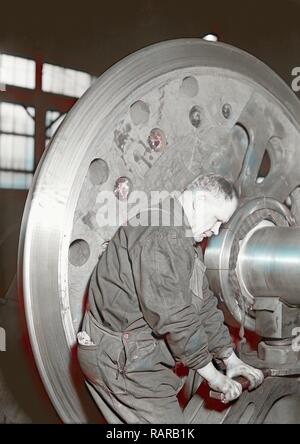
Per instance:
(93,35)
(12,205)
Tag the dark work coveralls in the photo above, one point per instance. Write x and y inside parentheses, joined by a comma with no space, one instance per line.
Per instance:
(150,306)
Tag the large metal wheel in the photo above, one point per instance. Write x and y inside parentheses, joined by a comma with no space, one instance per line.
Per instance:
(159,118)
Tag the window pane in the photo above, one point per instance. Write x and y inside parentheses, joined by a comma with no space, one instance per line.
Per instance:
(53,121)
(16,152)
(15,119)
(17,71)
(68,82)
(10,179)
(50,117)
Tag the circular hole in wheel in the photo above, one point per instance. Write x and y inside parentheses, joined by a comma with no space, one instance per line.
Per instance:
(79,252)
(139,112)
(190,86)
(98,172)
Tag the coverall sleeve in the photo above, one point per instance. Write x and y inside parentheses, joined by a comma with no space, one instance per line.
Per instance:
(218,336)
(162,283)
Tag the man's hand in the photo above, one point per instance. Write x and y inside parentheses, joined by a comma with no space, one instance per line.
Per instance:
(236,367)
(221,383)
(230,388)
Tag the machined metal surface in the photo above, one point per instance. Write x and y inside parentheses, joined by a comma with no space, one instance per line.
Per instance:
(257,256)
(270,263)
(154,121)
(223,254)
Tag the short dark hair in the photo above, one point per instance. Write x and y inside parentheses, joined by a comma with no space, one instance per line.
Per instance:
(215,184)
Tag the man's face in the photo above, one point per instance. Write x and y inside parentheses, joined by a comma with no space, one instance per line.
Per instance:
(210,212)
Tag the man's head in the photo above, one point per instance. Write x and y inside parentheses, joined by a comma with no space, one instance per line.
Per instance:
(209,201)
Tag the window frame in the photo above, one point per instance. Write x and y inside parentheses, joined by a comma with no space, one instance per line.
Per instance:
(41,101)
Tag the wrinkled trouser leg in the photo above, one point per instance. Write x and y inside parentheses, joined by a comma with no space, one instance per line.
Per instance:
(126,389)
(127,408)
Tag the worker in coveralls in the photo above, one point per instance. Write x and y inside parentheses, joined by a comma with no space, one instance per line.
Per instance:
(150,307)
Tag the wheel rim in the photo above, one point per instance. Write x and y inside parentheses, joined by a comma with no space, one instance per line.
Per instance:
(60,241)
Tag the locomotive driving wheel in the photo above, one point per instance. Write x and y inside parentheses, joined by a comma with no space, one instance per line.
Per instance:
(154,121)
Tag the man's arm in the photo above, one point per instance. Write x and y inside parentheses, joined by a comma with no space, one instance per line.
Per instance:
(161,276)
(160,268)
(220,343)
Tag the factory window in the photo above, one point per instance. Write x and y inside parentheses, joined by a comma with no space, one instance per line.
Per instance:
(21,146)
(16,145)
(17,71)
(53,121)
(65,81)
(12,179)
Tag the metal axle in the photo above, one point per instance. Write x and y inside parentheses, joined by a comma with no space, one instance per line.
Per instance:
(269,263)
